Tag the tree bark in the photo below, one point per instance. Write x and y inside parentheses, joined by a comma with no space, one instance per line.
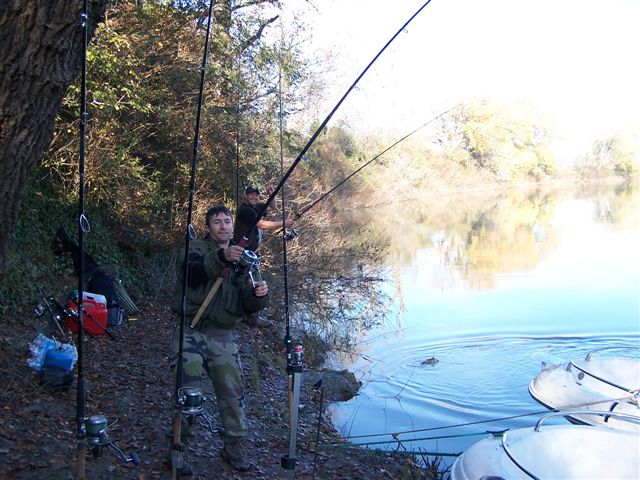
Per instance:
(41,45)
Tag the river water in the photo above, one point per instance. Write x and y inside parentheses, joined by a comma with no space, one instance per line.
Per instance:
(490,287)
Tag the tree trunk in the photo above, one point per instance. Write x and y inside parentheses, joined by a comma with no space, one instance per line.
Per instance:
(41,47)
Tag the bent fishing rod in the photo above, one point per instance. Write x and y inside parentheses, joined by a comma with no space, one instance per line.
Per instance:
(177,449)
(323,196)
(331,113)
(294,356)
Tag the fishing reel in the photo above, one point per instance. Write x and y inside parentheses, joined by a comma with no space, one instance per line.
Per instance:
(298,353)
(190,401)
(51,305)
(97,438)
(249,260)
(39,310)
(291,234)
(57,313)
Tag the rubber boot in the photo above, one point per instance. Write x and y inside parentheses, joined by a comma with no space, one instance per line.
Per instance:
(235,454)
(257,320)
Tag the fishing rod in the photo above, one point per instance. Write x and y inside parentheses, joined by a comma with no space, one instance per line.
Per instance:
(237,139)
(69,312)
(293,354)
(83,227)
(322,197)
(186,399)
(93,429)
(55,317)
(285,266)
(320,388)
(331,113)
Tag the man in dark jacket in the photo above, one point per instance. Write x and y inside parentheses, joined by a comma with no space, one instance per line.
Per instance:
(210,344)
(250,208)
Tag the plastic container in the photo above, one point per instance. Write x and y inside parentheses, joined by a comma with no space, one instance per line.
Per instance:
(94,316)
(46,352)
(60,358)
(39,347)
(115,316)
(96,297)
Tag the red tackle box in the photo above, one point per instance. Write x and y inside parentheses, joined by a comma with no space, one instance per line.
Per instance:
(94,314)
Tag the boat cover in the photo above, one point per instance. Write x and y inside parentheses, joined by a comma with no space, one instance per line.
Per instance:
(554,452)
(602,384)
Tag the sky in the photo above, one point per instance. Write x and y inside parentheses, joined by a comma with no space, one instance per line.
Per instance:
(577,60)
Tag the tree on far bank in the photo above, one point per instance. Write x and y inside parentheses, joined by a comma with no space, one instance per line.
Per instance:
(509,140)
(616,152)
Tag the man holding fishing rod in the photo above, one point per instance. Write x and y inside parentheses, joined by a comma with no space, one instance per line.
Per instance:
(215,265)
(249,209)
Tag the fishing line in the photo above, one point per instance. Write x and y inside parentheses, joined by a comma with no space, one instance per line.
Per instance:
(422,453)
(322,197)
(177,458)
(333,111)
(397,441)
(499,419)
(409,440)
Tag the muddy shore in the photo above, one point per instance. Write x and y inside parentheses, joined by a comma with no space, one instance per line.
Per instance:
(129,381)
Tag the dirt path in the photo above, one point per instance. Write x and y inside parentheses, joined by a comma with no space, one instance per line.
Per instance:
(129,381)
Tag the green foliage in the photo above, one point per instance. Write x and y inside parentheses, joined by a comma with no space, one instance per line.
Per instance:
(332,158)
(31,265)
(142,97)
(142,93)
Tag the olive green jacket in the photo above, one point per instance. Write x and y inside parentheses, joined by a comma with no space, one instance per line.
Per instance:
(235,296)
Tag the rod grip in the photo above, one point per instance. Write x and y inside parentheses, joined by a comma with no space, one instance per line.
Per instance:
(80,461)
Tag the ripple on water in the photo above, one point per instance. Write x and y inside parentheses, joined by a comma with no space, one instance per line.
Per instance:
(474,380)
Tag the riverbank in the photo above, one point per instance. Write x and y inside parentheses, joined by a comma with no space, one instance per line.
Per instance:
(128,381)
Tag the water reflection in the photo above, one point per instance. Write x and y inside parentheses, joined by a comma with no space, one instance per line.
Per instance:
(492,286)
(477,237)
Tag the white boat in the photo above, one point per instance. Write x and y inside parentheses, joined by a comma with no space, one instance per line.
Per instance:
(553,452)
(600,384)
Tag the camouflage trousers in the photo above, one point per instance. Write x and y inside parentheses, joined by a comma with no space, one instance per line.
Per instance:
(214,351)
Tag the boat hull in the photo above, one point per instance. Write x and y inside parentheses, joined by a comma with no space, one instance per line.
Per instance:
(603,384)
(553,452)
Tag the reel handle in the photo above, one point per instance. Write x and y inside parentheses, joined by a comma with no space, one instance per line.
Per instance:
(254,276)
